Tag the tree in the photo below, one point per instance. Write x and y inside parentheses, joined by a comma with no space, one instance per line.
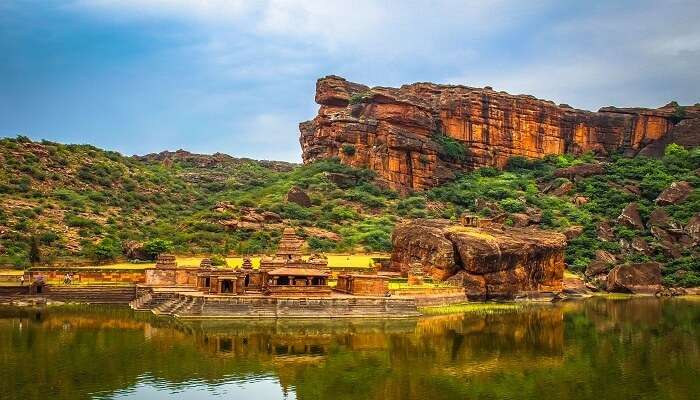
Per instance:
(108,249)
(34,251)
(155,247)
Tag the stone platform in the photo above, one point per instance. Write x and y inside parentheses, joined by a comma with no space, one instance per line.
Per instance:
(189,304)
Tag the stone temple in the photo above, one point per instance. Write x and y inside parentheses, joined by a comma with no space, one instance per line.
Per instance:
(285,284)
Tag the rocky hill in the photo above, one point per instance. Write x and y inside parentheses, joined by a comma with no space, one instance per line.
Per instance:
(75,203)
(80,203)
(417,136)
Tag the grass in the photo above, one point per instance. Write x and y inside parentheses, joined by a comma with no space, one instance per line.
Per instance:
(614,296)
(404,285)
(334,261)
(570,275)
(475,308)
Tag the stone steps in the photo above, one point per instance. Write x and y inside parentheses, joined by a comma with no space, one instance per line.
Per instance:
(90,294)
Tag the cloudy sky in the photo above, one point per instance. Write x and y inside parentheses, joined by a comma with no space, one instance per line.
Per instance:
(141,76)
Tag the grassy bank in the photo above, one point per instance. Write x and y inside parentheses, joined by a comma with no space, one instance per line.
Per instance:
(484,308)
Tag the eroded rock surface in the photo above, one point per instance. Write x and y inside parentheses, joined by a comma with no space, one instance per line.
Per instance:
(641,278)
(396,131)
(674,194)
(489,262)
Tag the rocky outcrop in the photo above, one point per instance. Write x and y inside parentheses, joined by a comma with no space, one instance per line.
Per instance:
(642,278)
(489,262)
(693,227)
(686,133)
(630,217)
(674,194)
(582,170)
(400,132)
(298,196)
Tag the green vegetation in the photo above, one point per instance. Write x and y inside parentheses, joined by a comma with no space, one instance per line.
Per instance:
(450,149)
(74,201)
(358,98)
(474,308)
(348,150)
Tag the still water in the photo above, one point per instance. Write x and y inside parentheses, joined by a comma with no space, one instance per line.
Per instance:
(641,348)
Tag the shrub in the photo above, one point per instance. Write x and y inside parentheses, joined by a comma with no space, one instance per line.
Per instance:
(512,205)
(342,213)
(348,149)
(377,240)
(358,98)
(320,244)
(77,221)
(218,261)
(154,247)
(48,237)
(450,149)
(678,113)
(107,249)
(488,171)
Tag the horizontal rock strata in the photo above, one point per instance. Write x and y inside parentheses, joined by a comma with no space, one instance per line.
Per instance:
(396,131)
(488,262)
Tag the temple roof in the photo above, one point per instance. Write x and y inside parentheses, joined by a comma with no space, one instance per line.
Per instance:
(290,244)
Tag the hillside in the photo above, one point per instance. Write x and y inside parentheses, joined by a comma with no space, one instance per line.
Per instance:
(82,202)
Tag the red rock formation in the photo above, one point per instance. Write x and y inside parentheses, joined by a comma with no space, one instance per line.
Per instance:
(392,131)
(635,278)
(489,262)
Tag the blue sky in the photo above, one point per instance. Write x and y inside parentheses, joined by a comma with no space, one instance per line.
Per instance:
(140,76)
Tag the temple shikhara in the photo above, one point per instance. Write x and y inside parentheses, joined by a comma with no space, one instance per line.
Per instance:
(285,284)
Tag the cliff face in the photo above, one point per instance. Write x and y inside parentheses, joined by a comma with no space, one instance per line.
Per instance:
(396,132)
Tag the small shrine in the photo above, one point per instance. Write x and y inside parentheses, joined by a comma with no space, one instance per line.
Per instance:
(289,274)
(474,221)
(165,261)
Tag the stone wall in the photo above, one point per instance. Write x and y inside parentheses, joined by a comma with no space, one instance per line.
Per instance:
(84,275)
(199,306)
(393,131)
(171,276)
(363,285)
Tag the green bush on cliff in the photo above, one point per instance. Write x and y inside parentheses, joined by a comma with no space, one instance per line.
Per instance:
(450,149)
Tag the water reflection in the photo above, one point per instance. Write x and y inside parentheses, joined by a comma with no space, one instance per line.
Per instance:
(599,348)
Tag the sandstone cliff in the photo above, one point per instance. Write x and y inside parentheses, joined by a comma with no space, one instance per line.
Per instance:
(397,132)
(489,262)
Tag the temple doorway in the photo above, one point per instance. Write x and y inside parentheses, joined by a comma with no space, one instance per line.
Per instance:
(283,280)
(246,281)
(227,286)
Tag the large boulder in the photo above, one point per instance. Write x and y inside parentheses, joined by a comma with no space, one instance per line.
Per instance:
(641,278)
(565,187)
(508,260)
(692,228)
(298,196)
(674,194)
(630,217)
(423,241)
(134,250)
(582,170)
(343,181)
(659,217)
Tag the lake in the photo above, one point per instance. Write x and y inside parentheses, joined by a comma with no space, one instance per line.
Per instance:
(599,348)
